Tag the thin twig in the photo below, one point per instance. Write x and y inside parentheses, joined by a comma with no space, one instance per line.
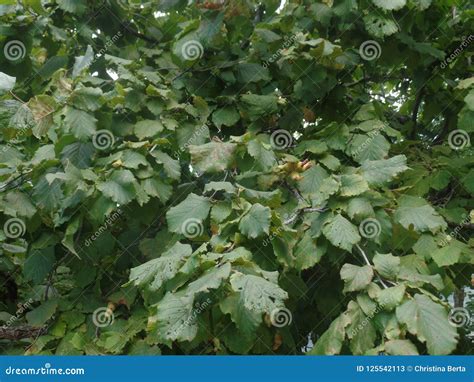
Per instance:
(297,213)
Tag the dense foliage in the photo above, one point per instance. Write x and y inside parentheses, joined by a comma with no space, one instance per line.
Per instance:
(236,176)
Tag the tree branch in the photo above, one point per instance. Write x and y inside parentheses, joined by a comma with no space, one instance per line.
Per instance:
(138,34)
(14,333)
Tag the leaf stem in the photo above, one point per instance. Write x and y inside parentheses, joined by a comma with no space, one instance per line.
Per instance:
(370,265)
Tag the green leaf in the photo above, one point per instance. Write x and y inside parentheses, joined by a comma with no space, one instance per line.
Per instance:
(256,106)
(82,62)
(361,330)
(365,147)
(48,195)
(331,341)
(379,172)
(81,123)
(379,26)
(175,317)
(341,232)
(38,264)
(390,5)
(170,165)
(156,188)
(250,72)
(359,207)
(307,252)
(7,83)
(446,256)
(73,6)
(212,279)
(312,180)
(148,128)
(40,315)
(120,186)
(257,294)
(194,209)
(154,273)
(212,156)
(220,186)
(418,279)
(220,211)
(415,213)
(400,347)
(246,320)
(68,240)
(429,322)
(256,221)
(388,266)
(18,204)
(87,98)
(355,277)
(264,157)
(225,116)
(391,297)
(352,185)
